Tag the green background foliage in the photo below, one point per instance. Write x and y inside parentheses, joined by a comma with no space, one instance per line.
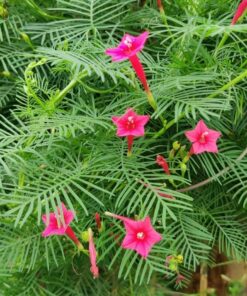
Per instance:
(58,91)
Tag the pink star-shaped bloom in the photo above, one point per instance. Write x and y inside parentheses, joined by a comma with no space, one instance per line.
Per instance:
(130,125)
(128,47)
(240,11)
(203,139)
(140,235)
(58,224)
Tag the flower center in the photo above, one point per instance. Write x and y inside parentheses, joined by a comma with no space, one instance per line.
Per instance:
(130,122)
(128,42)
(202,138)
(140,235)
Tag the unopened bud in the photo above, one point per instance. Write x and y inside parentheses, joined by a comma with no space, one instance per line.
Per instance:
(176,145)
(186,158)
(6,74)
(183,167)
(85,236)
(171,154)
(179,259)
(3,12)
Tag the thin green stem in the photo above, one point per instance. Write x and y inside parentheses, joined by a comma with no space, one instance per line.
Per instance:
(57,100)
(222,42)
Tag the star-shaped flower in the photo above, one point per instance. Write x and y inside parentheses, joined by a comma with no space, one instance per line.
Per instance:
(58,223)
(128,47)
(203,139)
(130,124)
(140,235)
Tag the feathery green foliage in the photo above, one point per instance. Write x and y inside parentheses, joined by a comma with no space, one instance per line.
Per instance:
(58,92)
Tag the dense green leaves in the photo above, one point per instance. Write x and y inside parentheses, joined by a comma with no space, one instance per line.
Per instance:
(58,92)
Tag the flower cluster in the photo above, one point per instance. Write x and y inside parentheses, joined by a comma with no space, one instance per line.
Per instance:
(140,235)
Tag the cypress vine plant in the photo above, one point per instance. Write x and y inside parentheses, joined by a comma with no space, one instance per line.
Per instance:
(70,192)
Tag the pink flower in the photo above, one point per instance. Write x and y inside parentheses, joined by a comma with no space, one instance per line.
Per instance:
(160,160)
(58,224)
(203,139)
(140,235)
(93,255)
(240,11)
(130,125)
(128,49)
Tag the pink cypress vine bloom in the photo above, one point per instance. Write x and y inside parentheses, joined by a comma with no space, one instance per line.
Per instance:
(140,235)
(93,255)
(130,125)
(240,11)
(128,49)
(161,161)
(203,139)
(58,224)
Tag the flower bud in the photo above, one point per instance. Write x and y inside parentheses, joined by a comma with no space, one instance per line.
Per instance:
(171,154)
(186,158)
(179,259)
(176,145)
(85,236)
(6,74)
(4,12)
(183,168)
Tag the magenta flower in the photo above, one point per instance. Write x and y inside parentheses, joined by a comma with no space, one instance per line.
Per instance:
(203,139)
(140,235)
(58,224)
(130,125)
(128,49)
(93,255)
(161,161)
(240,11)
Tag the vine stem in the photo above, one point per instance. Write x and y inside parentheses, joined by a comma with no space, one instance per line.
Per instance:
(205,182)
(203,279)
(57,100)
(223,88)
